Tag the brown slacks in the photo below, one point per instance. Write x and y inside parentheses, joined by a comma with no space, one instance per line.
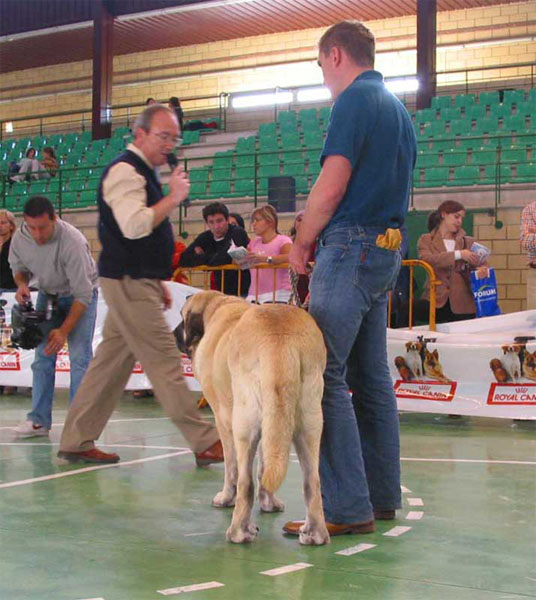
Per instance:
(134,328)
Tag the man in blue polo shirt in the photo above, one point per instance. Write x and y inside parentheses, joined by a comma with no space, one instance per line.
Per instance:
(355,209)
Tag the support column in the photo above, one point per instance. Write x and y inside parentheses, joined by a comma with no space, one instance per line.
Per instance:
(101,115)
(426,51)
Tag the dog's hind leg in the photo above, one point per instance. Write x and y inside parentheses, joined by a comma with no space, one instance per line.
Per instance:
(307,444)
(227,495)
(268,502)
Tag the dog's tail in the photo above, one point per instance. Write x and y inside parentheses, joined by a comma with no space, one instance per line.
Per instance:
(280,390)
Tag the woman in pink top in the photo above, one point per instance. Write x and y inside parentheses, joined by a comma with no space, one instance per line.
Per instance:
(268,247)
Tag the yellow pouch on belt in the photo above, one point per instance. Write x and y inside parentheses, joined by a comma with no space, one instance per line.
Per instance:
(390,240)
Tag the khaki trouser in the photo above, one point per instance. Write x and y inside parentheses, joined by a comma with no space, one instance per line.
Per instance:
(135,328)
(531,289)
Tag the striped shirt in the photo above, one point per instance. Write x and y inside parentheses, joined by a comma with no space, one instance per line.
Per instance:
(528,231)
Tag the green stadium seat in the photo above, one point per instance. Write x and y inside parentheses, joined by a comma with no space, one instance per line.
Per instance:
(287,118)
(223,160)
(465,175)
(245,160)
(87,198)
(270,158)
(526,109)
(469,143)
(526,139)
(514,96)
(325,113)
(219,189)
(314,168)
(427,159)
(439,144)
(526,173)
(69,199)
(434,128)
(290,141)
(313,138)
(268,144)
(514,123)
(500,111)
(302,185)
(245,145)
(191,137)
(464,100)
(245,187)
(461,127)
(93,183)
(436,176)
(450,113)
(294,169)
(268,171)
(75,185)
(440,102)
(245,173)
(492,172)
(513,155)
(38,188)
(200,174)
(198,190)
(455,158)
(484,156)
(121,132)
(476,111)
(308,115)
(54,186)
(532,96)
(221,174)
(487,125)
(488,98)
(291,156)
(267,130)
(426,115)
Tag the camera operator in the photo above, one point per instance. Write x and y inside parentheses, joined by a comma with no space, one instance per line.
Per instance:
(58,255)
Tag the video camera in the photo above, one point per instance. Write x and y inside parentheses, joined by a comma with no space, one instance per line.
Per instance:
(25,323)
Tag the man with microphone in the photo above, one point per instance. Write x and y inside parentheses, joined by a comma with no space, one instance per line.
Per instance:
(137,247)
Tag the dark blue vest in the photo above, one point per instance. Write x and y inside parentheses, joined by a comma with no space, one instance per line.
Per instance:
(148,257)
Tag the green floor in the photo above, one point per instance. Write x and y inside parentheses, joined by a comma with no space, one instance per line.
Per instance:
(125,533)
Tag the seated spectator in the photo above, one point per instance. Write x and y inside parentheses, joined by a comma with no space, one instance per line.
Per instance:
(8,226)
(28,166)
(49,163)
(210,248)
(150,101)
(448,250)
(236,219)
(269,247)
(175,105)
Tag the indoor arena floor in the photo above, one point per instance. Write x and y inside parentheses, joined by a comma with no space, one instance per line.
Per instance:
(145,529)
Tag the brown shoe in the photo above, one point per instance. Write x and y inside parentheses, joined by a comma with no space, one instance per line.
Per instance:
(293,527)
(90,456)
(214,454)
(384,515)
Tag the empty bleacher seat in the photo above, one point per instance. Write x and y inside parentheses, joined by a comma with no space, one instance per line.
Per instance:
(488,98)
(465,175)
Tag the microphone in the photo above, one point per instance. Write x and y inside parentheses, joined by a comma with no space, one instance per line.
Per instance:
(173,161)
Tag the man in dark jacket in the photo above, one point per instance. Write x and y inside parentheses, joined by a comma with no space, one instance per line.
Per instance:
(210,248)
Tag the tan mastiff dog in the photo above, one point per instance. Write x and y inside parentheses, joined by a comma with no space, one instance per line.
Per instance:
(261,370)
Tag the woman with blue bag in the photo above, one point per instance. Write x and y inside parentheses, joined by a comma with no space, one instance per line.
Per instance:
(453,256)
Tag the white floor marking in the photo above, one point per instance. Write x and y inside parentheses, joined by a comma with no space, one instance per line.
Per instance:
(194,534)
(89,469)
(471,460)
(355,549)
(93,598)
(414,515)
(110,421)
(396,531)
(415,501)
(287,569)
(405,490)
(143,446)
(191,588)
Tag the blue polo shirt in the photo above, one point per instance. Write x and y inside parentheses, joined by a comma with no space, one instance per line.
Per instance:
(372,129)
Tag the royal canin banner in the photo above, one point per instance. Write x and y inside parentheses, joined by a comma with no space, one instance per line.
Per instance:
(484,367)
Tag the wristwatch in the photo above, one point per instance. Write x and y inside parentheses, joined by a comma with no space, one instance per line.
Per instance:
(270,260)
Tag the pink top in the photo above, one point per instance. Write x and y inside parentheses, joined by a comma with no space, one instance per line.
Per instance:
(266,276)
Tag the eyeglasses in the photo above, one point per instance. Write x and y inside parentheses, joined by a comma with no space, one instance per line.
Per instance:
(166,138)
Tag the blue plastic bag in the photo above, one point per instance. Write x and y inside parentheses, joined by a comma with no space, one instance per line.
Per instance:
(485,294)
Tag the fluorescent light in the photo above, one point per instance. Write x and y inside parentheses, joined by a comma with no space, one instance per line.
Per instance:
(314,94)
(9,127)
(397,86)
(249,100)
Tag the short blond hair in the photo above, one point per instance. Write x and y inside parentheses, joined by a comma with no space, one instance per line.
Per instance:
(267,212)
(10,217)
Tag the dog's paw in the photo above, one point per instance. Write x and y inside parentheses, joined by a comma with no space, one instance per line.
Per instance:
(242,536)
(270,503)
(223,500)
(317,536)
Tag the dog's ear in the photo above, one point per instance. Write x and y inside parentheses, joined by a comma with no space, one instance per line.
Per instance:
(408,346)
(504,349)
(194,329)
(436,354)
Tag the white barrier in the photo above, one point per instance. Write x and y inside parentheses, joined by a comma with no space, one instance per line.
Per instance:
(444,371)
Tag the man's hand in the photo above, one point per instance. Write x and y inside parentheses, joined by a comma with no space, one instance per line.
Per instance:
(56,341)
(179,185)
(299,258)
(23,294)
(198,250)
(166,296)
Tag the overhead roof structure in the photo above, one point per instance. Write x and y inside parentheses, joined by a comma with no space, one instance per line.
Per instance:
(35,33)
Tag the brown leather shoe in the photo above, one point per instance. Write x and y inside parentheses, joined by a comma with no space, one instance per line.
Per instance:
(90,456)
(214,454)
(384,515)
(293,527)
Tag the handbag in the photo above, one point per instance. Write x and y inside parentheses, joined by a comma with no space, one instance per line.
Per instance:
(485,294)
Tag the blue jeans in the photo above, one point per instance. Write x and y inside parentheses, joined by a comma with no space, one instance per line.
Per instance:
(80,342)
(360,450)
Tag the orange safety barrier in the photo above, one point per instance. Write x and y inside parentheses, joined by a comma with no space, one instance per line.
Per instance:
(405,263)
